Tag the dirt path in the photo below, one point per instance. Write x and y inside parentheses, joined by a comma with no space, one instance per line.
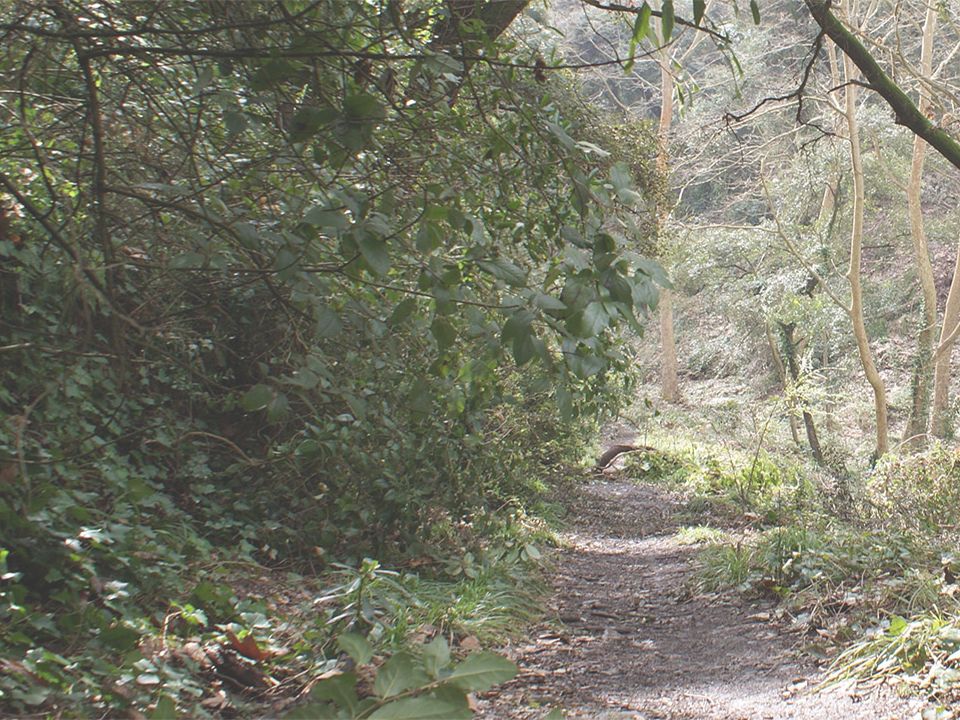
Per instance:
(635,644)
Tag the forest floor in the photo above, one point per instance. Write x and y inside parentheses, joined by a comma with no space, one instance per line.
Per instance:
(635,640)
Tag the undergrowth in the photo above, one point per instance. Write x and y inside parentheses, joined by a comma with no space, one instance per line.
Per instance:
(242,637)
(866,571)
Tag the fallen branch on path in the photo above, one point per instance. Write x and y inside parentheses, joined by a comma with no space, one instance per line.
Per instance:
(615,451)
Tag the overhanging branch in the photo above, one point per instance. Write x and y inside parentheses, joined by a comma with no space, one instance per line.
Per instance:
(907,113)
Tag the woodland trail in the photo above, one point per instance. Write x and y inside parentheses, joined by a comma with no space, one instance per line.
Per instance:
(635,643)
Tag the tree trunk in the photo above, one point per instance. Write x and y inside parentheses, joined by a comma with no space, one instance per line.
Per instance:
(790,345)
(670,386)
(496,17)
(828,203)
(917,421)
(669,381)
(785,383)
(493,18)
(853,273)
(939,424)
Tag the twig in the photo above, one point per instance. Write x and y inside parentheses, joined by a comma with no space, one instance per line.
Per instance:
(226,441)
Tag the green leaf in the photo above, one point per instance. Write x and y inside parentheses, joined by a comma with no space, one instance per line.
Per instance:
(620,176)
(429,237)
(278,407)
(248,236)
(548,302)
(444,333)
(524,349)
(257,397)
(561,135)
(326,218)
(374,252)
(435,212)
(518,333)
(699,7)
(120,637)
(517,325)
(620,288)
(308,121)
(422,708)
(188,261)
(584,364)
(641,26)
(397,674)
(667,19)
(644,293)
(577,293)
(897,625)
(31,696)
(755,11)
(166,709)
(653,270)
(356,646)
(505,270)
(234,121)
(420,397)
(481,671)
(363,107)
(328,322)
(273,72)
(588,322)
(402,311)
(436,656)
(340,689)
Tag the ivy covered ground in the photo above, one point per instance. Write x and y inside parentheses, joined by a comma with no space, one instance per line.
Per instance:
(311,312)
(303,309)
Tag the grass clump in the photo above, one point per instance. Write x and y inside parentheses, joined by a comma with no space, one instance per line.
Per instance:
(726,565)
(672,469)
(923,651)
(701,535)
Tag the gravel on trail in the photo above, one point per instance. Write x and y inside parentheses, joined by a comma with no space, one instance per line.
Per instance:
(634,642)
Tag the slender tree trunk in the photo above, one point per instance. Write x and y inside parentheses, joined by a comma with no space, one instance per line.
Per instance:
(939,425)
(917,421)
(790,345)
(669,381)
(785,383)
(828,202)
(670,385)
(853,273)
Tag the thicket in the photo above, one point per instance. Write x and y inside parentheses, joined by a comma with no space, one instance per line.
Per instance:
(285,284)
